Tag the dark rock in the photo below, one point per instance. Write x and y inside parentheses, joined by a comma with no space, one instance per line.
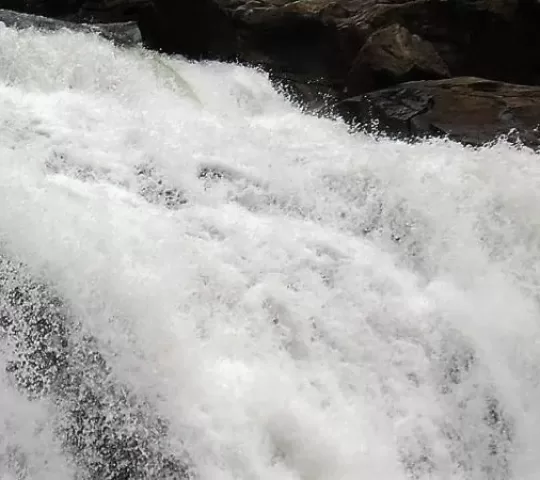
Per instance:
(393,55)
(492,39)
(112,10)
(352,44)
(49,8)
(99,11)
(321,47)
(470,110)
(125,34)
(195,28)
(293,41)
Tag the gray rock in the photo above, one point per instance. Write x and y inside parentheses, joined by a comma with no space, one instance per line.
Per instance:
(125,34)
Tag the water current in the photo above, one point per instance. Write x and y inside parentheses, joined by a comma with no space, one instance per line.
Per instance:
(199,280)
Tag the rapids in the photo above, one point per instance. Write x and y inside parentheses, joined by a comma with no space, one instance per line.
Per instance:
(200,280)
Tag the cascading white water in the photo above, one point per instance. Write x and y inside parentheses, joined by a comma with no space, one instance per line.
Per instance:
(292,301)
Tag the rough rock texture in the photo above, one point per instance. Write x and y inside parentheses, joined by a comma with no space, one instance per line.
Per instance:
(324,51)
(492,39)
(393,55)
(321,39)
(471,110)
(349,47)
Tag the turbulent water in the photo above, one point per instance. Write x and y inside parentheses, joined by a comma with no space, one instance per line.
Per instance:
(200,281)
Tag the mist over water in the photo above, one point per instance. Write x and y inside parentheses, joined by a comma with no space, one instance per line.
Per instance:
(198,280)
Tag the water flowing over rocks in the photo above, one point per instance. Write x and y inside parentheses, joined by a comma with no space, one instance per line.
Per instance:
(123,33)
(111,432)
(325,51)
(406,65)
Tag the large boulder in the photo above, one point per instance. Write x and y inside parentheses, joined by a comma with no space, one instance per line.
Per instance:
(325,51)
(485,38)
(469,110)
(322,40)
(492,39)
(393,55)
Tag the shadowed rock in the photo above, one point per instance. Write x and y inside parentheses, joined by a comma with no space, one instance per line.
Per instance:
(195,28)
(393,55)
(325,37)
(323,51)
(111,10)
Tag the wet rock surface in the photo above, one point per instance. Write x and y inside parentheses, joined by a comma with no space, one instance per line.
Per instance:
(393,55)
(326,51)
(471,110)
(323,52)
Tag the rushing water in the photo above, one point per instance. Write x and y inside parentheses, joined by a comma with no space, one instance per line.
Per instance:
(200,281)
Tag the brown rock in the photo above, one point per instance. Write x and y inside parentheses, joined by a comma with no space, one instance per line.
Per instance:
(334,47)
(320,40)
(348,44)
(470,110)
(393,55)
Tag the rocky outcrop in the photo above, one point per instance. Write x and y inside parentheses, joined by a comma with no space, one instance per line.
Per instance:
(393,55)
(125,33)
(328,50)
(471,110)
(483,38)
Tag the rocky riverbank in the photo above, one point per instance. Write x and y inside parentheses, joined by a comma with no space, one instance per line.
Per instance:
(463,68)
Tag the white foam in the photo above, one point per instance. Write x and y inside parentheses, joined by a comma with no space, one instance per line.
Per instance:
(294,318)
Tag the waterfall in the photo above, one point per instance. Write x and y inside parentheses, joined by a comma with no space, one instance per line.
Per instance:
(200,281)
